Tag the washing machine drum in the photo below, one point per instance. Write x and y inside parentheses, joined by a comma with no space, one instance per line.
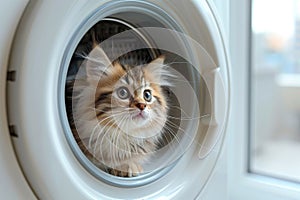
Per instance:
(118,99)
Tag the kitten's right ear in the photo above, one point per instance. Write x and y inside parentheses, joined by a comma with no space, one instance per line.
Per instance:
(97,63)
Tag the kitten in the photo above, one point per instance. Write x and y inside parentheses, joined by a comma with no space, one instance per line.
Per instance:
(120,112)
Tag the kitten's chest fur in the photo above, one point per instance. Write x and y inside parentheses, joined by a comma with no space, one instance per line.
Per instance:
(113,147)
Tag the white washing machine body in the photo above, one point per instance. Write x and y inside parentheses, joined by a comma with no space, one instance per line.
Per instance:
(13,184)
(39,159)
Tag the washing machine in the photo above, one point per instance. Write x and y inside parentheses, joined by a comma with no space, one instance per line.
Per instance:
(46,46)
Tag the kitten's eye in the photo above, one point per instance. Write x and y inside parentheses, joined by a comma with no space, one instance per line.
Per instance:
(123,93)
(147,95)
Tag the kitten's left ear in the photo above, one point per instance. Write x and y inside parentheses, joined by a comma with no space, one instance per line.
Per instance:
(156,66)
(158,61)
(159,71)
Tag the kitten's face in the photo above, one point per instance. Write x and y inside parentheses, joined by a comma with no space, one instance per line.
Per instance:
(138,104)
(130,98)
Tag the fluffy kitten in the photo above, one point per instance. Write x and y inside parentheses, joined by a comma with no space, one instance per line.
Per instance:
(120,112)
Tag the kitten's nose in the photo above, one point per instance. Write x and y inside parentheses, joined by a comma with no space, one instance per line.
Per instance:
(141,106)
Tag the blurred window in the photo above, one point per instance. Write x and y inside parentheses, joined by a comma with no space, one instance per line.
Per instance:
(275,89)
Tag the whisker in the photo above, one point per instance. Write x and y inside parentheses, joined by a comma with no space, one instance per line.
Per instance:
(188,117)
(170,132)
(110,118)
(101,132)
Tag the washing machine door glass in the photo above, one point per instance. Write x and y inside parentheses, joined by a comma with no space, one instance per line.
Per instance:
(133,99)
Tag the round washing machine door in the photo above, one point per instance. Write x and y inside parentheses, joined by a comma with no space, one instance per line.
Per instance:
(118,99)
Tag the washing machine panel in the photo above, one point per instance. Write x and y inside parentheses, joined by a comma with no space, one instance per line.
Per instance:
(13,184)
(47,38)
